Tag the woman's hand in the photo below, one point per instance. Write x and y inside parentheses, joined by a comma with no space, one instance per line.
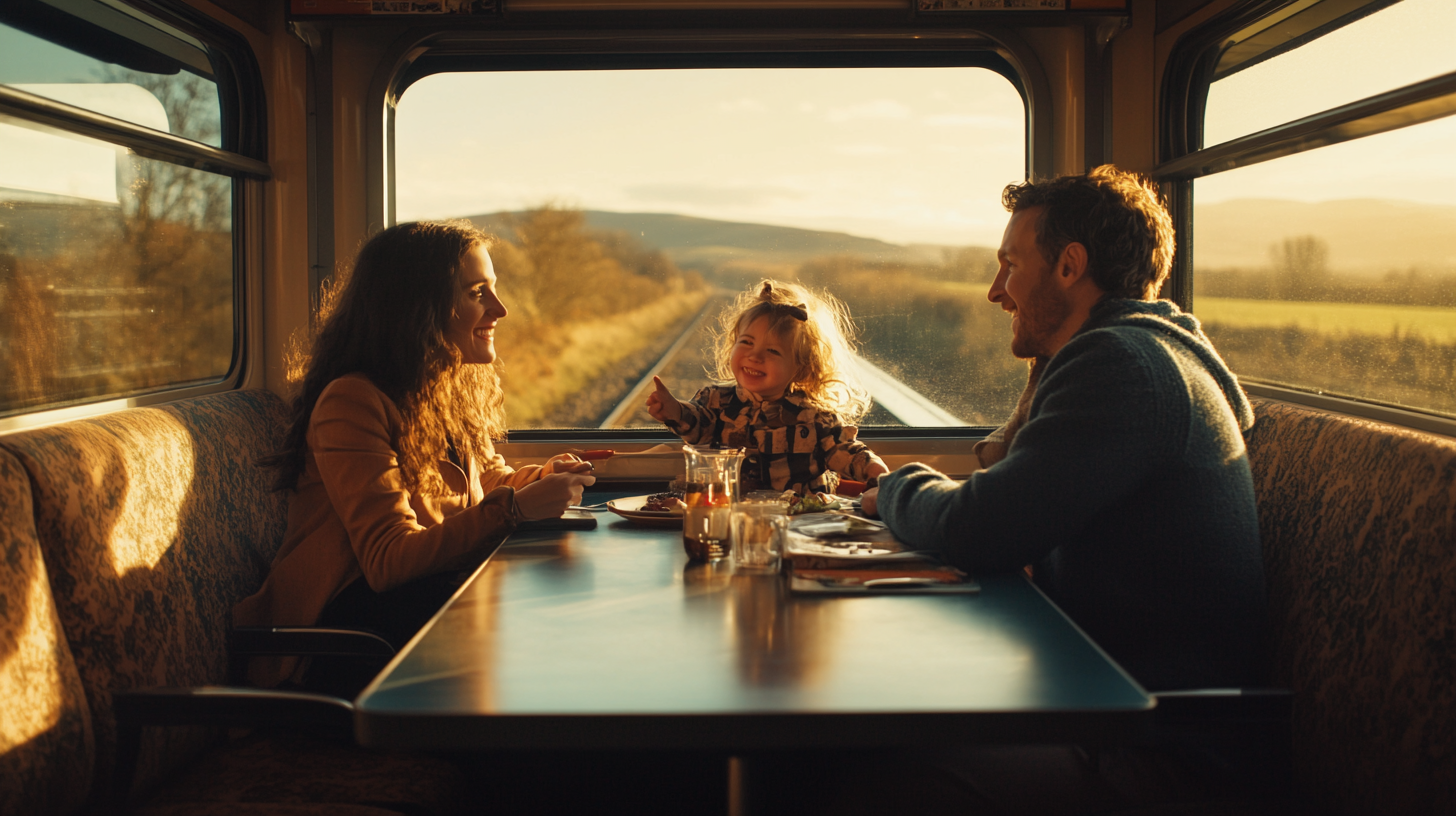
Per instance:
(662,405)
(566,463)
(549,496)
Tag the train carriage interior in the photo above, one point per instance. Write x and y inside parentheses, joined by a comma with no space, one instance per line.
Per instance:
(185,183)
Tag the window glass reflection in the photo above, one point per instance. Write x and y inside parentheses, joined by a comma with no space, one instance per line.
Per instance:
(1332,270)
(116,272)
(1407,42)
(183,102)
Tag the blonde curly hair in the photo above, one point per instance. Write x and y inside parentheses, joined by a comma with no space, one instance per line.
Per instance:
(816,326)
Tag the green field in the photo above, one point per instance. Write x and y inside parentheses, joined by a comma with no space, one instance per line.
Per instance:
(1436,325)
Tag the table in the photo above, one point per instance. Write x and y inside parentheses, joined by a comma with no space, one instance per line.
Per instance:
(609,640)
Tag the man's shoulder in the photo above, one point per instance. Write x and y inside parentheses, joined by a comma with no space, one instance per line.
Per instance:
(1115,347)
(1116,368)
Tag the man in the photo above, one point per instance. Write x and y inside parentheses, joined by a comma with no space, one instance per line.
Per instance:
(1124,481)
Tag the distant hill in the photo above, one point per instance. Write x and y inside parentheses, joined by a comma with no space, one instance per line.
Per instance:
(706,244)
(1364,235)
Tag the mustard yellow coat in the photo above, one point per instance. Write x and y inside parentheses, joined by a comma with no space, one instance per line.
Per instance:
(352,515)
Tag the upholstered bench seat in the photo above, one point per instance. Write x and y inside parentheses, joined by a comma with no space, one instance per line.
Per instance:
(46,744)
(128,539)
(1358,522)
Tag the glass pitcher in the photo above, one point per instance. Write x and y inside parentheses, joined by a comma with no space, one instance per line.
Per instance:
(712,487)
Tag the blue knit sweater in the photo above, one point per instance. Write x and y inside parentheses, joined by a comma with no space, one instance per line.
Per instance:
(1129,490)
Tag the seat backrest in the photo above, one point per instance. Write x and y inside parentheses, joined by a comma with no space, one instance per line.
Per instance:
(46,747)
(1358,521)
(153,523)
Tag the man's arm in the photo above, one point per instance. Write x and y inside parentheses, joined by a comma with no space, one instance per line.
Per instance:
(1097,430)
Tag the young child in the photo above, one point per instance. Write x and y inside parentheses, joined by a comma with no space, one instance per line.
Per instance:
(787,352)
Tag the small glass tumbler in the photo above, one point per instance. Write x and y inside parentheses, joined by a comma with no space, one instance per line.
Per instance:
(759,526)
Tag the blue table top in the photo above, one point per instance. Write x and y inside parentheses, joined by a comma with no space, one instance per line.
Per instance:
(609,639)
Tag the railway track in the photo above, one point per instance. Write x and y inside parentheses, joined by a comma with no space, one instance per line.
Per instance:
(620,414)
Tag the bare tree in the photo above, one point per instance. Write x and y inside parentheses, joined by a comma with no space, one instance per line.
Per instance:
(1301,267)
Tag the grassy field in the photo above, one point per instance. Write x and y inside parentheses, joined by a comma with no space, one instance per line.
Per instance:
(1435,325)
(536,390)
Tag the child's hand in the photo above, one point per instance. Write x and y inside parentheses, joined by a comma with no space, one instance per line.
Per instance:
(662,405)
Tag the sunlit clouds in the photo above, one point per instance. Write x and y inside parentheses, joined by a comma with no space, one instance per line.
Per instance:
(910,155)
(877,109)
(694,195)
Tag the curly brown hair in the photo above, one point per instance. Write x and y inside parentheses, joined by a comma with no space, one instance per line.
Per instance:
(817,326)
(387,322)
(1115,215)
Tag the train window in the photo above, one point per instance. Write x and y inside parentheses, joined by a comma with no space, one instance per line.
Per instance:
(1394,46)
(156,94)
(1321,262)
(117,242)
(632,203)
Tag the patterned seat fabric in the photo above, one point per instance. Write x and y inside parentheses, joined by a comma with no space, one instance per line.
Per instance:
(150,524)
(1358,521)
(46,748)
(153,522)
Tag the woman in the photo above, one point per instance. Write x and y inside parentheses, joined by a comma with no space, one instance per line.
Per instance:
(397,488)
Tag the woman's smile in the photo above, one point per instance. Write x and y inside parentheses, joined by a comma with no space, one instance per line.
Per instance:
(478,309)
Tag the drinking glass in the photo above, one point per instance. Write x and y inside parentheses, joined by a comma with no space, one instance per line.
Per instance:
(711,489)
(758,534)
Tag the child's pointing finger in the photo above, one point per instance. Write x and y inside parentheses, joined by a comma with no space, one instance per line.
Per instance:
(661,404)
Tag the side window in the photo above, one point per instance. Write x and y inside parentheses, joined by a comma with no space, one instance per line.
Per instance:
(116,221)
(632,204)
(1323,262)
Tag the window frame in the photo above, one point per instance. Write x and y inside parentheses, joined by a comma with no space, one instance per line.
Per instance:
(242,158)
(913,43)
(1193,66)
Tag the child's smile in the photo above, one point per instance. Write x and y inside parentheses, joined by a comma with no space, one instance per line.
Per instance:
(762,361)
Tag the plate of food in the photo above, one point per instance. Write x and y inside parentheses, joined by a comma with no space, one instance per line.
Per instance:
(654,510)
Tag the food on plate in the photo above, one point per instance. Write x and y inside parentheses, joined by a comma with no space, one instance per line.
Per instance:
(812,503)
(664,503)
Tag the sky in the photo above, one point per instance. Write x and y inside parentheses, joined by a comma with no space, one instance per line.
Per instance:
(1404,43)
(907,155)
(904,155)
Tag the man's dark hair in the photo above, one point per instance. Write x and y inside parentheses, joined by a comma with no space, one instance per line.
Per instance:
(1118,218)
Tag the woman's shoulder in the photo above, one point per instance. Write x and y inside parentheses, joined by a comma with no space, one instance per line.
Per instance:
(351,384)
(353,393)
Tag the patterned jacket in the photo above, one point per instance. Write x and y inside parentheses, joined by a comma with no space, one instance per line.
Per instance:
(789,446)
